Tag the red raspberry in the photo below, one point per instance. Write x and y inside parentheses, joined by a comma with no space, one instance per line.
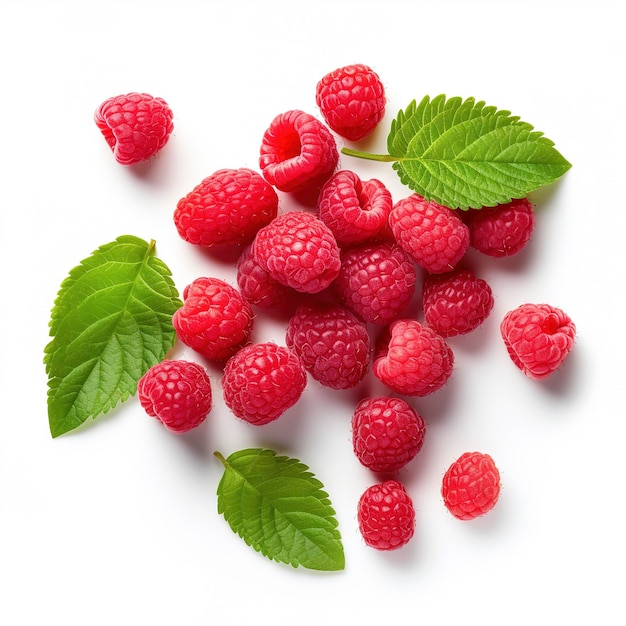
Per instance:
(538,337)
(434,235)
(215,319)
(503,230)
(471,486)
(356,211)
(412,359)
(135,125)
(298,250)
(456,303)
(352,100)
(297,152)
(376,281)
(262,381)
(176,392)
(386,516)
(387,433)
(228,207)
(332,343)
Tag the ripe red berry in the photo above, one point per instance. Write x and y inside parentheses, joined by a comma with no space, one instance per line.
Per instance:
(386,516)
(471,486)
(135,125)
(538,338)
(176,392)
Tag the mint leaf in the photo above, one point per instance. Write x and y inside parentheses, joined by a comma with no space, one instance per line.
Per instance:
(464,154)
(111,321)
(280,509)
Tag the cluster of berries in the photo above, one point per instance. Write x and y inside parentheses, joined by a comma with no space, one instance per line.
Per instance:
(346,272)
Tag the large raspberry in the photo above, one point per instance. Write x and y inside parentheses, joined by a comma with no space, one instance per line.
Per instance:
(262,381)
(298,250)
(538,338)
(352,100)
(215,319)
(135,125)
(227,207)
(332,343)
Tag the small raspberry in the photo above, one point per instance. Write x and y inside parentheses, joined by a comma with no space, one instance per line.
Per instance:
(176,392)
(356,211)
(456,303)
(332,343)
(297,152)
(298,250)
(387,433)
(503,230)
(262,381)
(376,281)
(135,125)
(228,207)
(434,235)
(352,100)
(215,319)
(386,516)
(412,359)
(471,486)
(538,338)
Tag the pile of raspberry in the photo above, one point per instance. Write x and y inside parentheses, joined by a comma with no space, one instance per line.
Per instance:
(348,272)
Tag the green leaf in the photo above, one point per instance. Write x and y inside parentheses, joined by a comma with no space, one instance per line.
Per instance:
(280,509)
(111,321)
(464,154)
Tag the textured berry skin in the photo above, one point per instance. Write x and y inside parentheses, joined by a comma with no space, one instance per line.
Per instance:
(434,235)
(503,230)
(352,100)
(412,359)
(215,319)
(456,303)
(135,125)
(298,152)
(228,207)
(387,433)
(356,211)
(376,281)
(386,516)
(471,486)
(332,343)
(538,338)
(262,381)
(176,392)
(298,250)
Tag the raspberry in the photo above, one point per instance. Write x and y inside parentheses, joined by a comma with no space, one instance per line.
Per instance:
(215,319)
(176,392)
(297,152)
(386,516)
(262,381)
(298,250)
(434,235)
(135,125)
(387,433)
(471,486)
(456,303)
(412,359)
(376,281)
(351,100)
(538,338)
(356,211)
(227,207)
(332,343)
(503,230)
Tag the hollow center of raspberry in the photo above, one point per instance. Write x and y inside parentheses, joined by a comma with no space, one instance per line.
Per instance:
(550,325)
(289,146)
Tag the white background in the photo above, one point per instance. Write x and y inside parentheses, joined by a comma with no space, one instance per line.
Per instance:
(117,523)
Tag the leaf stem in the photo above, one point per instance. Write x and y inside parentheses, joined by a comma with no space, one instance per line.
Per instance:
(368,155)
(218,455)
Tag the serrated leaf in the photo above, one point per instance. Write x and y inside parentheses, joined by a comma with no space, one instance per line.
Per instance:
(111,321)
(278,507)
